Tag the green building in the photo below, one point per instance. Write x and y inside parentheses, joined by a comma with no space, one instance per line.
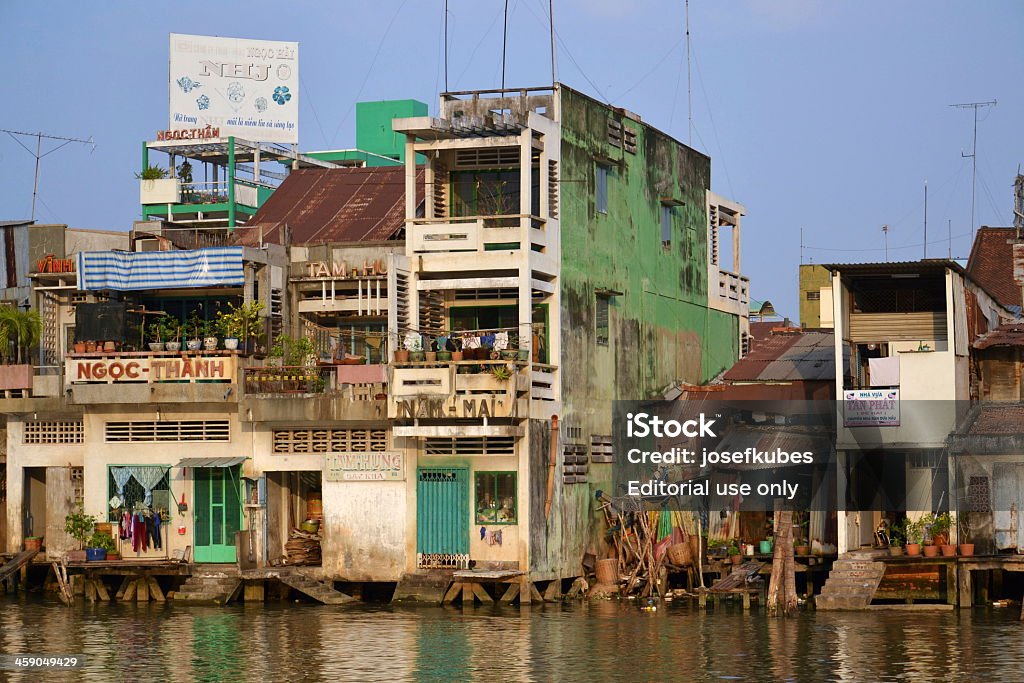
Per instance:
(815,292)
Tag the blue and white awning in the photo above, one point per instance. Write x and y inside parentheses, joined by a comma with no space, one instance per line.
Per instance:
(126,271)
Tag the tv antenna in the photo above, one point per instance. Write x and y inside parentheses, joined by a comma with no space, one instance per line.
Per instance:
(885,236)
(974,149)
(38,154)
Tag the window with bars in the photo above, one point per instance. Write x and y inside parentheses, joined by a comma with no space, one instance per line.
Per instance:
(496,498)
(53,431)
(330,440)
(601,189)
(814,295)
(666,225)
(134,494)
(478,445)
(143,431)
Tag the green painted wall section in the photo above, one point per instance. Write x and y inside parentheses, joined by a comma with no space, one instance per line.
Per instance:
(373,127)
(661,327)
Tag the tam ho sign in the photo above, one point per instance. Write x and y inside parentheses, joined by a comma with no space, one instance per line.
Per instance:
(871,408)
(245,88)
(360,466)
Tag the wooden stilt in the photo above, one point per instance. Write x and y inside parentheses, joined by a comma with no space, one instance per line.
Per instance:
(141,590)
(467,594)
(130,588)
(154,589)
(525,595)
(554,591)
(124,586)
(90,590)
(510,593)
(481,593)
(535,594)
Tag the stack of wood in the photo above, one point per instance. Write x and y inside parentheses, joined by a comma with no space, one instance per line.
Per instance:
(633,537)
(303,548)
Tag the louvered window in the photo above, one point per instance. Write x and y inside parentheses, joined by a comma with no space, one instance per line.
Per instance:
(54,431)
(601,448)
(330,440)
(168,430)
(462,446)
(575,463)
(601,320)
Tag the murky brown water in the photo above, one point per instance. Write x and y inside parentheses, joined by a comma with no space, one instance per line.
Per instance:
(606,641)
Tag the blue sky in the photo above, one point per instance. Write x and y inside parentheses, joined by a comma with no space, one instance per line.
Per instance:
(823,115)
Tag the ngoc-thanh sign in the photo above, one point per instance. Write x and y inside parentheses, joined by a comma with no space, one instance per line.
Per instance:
(149,369)
(362,466)
(246,88)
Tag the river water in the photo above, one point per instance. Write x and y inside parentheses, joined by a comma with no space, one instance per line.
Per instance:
(604,641)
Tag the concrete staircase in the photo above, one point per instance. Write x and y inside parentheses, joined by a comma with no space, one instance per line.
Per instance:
(210,586)
(318,590)
(852,583)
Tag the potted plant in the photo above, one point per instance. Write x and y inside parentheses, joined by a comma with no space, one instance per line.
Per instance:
(734,553)
(897,536)
(914,532)
(800,548)
(194,332)
(501,372)
(34,543)
(966,547)
(170,332)
(209,330)
(940,527)
(413,344)
(241,324)
(441,344)
(79,526)
(457,353)
(98,545)
(20,332)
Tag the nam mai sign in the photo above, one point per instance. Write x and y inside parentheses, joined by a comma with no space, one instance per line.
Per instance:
(360,466)
(476,407)
(871,408)
(150,369)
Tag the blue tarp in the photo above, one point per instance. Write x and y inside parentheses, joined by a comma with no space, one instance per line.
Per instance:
(129,271)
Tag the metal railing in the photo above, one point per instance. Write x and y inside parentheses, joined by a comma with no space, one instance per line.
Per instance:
(292,379)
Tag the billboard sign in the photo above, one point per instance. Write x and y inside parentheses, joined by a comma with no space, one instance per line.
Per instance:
(245,88)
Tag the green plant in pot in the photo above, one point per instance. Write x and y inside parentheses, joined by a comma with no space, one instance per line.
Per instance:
(79,526)
(98,545)
(441,344)
(292,351)
(413,343)
(897,537)
(152,173)
(194,331)
(241,324)
(170,332)
(734,553)
(914,532)
(966,547)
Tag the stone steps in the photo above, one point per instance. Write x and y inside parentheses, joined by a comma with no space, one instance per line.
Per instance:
(317,590)
(217,588)
(851,583)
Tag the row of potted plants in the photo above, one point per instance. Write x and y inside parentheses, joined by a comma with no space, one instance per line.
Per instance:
(418,348)
(929,534)
(93,545)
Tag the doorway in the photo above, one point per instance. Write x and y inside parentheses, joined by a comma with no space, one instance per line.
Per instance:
(442,517)
(34,503)
(218,501)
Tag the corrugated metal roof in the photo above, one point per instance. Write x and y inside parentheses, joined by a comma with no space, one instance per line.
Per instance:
(788,357)
(334,205)
(1011,334)
(211,462)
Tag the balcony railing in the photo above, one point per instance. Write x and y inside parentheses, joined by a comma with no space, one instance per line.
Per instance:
(734,287)
(477,233)
(459,389)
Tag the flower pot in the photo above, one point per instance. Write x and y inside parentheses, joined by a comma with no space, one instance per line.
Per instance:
(523,355)
(113,556)
(173,346)
(736,559)
(109,346)
(948,550)
(940,539)
(913,549)
(966,549)
(401,356)
(765,547)
(75,556)
(430,356)
(90,347)
(931,551)
(193,344)
(79,347)
(95,554)
(156,346)
(444,356)
(802,550)
(457,356)
(210,343)
(231,343)
(416,357)
(895,550)
(34,543)
(509,354)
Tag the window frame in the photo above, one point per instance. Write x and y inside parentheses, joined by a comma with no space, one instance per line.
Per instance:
(606,301)
(112,488)
(667,216)
(515,498)
(602,172)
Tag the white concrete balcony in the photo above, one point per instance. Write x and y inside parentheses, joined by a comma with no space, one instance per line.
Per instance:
(476,234)
(459,389)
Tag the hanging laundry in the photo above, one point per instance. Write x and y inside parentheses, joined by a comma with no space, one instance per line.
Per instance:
(153,531)
(497,537)
(501,341)
(483,532)
(139,533)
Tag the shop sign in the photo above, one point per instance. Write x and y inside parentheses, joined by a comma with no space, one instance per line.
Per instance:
(458,407)
(363,466)
(143,369)
(208,133)
(52,264)
(871,408)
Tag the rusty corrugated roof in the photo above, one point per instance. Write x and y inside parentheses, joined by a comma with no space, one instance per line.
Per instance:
(1010,334)
(323,205)
(788,356)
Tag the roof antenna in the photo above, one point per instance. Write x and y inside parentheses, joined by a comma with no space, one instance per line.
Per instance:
(39,155)
(504,45)
(974,149)
(689,86)
(446,45)
(885,236)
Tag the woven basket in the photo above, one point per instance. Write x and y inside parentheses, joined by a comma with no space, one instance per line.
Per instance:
(680,555)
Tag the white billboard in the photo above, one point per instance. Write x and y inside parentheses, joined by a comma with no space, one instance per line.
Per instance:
(245,88)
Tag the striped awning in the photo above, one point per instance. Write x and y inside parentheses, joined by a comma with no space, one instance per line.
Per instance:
(210,462)
(129,271)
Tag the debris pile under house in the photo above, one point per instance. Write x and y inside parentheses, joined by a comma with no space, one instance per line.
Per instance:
(302,548)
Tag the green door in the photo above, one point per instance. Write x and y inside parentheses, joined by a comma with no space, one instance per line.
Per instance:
(442,517)
(218,513)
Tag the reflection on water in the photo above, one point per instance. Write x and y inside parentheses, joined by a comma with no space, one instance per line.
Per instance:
(606,641)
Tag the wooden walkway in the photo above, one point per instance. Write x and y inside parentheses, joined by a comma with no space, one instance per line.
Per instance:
(510,584)
(743,582)
(18,563)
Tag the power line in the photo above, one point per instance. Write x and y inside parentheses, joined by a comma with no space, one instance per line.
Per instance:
(39,155)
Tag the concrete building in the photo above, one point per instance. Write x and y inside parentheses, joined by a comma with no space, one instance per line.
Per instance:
(815,296)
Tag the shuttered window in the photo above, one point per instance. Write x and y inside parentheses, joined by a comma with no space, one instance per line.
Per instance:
(601,320)
(601,191)
(330,440)
(478,445)
(168,430)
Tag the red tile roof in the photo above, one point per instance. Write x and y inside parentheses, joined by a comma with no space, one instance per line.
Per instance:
(322,205)
(991,264)
(999,420)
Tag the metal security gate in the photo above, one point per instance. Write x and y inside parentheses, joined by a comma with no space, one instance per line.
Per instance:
(442,518)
